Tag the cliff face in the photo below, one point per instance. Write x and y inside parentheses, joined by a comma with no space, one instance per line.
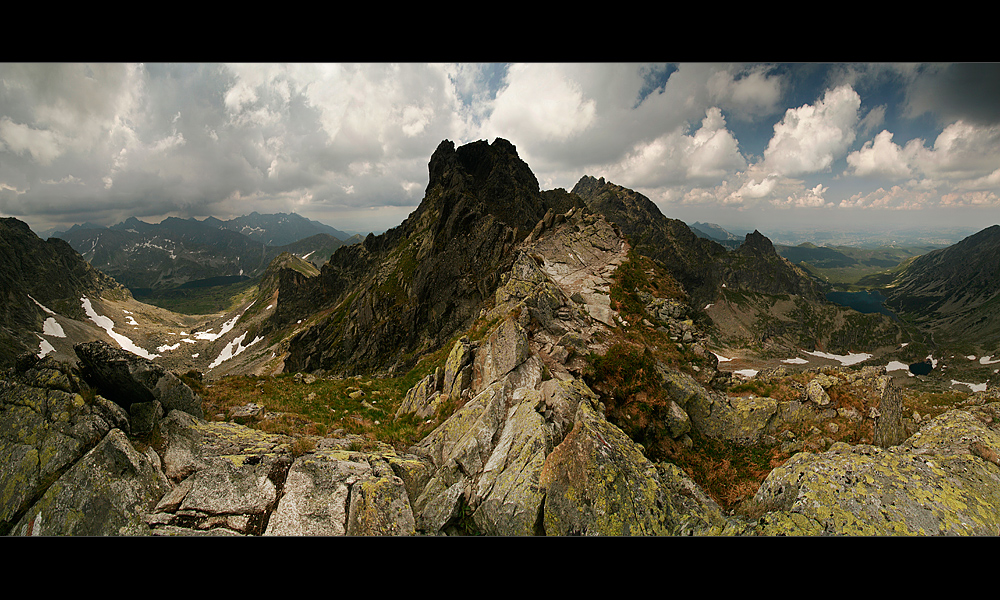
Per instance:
(408,290)
(755,266)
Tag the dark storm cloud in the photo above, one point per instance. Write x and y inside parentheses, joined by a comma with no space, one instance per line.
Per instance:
(966,91)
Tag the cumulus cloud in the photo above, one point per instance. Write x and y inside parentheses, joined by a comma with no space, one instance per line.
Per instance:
(710,153)
(748,93)
(541,103)
(879,157)
(809,138)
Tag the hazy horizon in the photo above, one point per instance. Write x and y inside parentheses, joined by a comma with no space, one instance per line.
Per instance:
(769,146)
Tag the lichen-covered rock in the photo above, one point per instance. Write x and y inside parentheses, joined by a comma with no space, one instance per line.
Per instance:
(597,482)
(816,394)
(42,433)
(316,494)
(422,399)
(379,505)
(458,368)
(107,492)
(507,494)
(744,420)
(505,349)
(935,483)
(888,413)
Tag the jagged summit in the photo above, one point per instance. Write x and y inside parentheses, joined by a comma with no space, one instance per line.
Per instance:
(756,244)
(408,290)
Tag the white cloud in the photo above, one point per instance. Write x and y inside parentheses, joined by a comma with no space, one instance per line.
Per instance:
(540,102)
(43,145)
(879,157)
(711,153)
(809,138)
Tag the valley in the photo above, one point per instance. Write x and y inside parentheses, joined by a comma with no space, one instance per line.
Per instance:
(490,365)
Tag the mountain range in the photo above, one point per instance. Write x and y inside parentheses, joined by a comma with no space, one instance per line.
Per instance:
(144,256)
(562,353)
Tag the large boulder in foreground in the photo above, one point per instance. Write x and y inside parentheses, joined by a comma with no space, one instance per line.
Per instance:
(127,379)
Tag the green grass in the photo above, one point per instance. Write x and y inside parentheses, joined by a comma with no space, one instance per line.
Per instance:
(325,407)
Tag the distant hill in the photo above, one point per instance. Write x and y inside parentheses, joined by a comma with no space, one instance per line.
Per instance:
(279,229)
(847,265)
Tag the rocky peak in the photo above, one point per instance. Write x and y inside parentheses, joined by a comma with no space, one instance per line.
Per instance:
(414,286)
(757,244)
(692,260)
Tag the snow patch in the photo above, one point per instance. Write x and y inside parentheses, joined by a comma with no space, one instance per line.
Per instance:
(44,347)
(130,320)
(850,359)
(108,325)
(746,372)
(269,307)
(975,387)
(988,360)
(795,361)
(232,349)
(226,328)
(51,327)
(708,306)
(41,305)
(722,358)
(306,257)
(165,347)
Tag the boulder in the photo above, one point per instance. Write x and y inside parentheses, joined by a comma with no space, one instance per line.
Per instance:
(597,482)
(126,378)
(316,492)
(108,492)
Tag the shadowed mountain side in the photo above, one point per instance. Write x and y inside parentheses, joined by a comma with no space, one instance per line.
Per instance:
(756,267)
(953,291)
(405,292)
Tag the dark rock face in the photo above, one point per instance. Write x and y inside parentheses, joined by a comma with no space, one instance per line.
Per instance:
(701,265)
(408,290)
(755,266)
(127,379)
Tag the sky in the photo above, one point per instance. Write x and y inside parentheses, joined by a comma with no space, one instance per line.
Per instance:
(793,145)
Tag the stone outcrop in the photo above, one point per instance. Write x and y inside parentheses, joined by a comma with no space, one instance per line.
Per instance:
(943,480)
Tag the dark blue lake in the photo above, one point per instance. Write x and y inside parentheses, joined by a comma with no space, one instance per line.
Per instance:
(867,301)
